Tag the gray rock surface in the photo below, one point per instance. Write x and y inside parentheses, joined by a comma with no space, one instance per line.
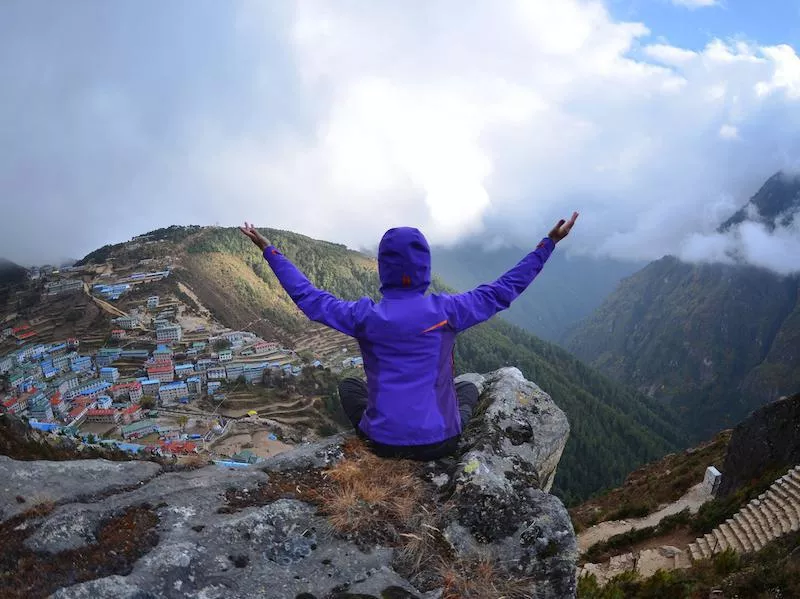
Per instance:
(517,426)
(285,549)
(42,481)
(510,453)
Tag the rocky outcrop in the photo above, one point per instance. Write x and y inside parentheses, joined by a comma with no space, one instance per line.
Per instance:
(768,439)
(492,501)
(23,484)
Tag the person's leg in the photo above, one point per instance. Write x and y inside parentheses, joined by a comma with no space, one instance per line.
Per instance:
(467,394)
(353,395)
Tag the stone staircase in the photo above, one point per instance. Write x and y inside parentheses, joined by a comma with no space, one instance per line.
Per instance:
(769,516)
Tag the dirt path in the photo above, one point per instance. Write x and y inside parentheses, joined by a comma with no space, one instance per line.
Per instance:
(693,499)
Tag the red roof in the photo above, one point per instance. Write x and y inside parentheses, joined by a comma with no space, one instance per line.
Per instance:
(75,412)
(101,412)
(118,332)
(125,386)
(132,409)
(7,403)
(179,446)
(160,368)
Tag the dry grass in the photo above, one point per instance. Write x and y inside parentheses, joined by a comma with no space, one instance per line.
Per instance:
(369,494)
(482,579)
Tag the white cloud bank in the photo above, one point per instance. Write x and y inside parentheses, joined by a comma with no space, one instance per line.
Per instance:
(501,117)
(488,119)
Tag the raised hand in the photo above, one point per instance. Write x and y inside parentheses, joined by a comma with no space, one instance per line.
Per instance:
(562,228)
(256,237)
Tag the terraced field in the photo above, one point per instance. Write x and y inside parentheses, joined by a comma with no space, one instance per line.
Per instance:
(327,345)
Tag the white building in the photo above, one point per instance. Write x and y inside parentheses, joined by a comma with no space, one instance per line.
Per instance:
(172,392)
(263,347)
(126,322)
(152,301)
(169,333)
(712,480)
(216,373)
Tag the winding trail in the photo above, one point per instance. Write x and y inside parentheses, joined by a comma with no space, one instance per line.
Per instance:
(693,499)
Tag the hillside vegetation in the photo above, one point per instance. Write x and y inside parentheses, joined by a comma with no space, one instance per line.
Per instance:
(715,340)
(614,429)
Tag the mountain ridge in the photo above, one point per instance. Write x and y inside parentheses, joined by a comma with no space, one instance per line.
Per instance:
(715,341)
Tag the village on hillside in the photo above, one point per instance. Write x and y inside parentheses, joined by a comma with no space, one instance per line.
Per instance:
(164,378)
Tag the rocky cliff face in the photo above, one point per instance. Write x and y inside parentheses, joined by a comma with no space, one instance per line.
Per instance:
(767,439)
(321,521)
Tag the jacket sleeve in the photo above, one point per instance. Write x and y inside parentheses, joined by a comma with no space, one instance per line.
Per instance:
(473,307)
(318,305)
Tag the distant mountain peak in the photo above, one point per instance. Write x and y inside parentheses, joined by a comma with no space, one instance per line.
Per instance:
(774,205)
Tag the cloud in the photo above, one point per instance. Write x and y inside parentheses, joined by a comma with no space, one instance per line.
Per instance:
(696,3)
(342,119)
(749,243)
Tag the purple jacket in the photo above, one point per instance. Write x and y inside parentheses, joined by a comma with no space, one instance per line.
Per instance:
(407,338)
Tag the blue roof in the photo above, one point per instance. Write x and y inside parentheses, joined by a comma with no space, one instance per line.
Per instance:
(174,385)
(193,379)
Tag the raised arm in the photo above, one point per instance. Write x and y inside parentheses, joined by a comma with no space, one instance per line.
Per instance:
(473,307)
(318,305)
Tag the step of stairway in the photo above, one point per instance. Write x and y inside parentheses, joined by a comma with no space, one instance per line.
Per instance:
(792,481)
(756,523)
(694,551)
(770,510)
(787,503)
(732,537)
(790,490)
(713,543)
(744,536)
(758,511)
(747,527)
(705,548)
(785,512)
(720,540)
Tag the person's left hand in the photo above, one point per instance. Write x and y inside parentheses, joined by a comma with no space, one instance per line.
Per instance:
(250,230)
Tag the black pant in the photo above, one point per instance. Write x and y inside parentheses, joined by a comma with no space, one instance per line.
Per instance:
(353,395)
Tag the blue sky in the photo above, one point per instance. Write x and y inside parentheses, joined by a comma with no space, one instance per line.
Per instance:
(767,21)
(339,120)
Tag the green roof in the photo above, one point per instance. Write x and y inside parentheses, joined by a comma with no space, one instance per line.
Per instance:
(137,426)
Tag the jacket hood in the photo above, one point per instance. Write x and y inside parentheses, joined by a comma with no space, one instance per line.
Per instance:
(404,261)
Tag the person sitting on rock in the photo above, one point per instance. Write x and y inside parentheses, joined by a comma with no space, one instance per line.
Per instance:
(410,406)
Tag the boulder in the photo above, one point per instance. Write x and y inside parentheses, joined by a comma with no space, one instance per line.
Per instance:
(768,439)
(510,454)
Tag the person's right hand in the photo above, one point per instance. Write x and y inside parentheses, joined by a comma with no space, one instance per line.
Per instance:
(256,237)
(562,228)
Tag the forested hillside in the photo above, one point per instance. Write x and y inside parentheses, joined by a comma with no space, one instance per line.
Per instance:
(613,429)
(715,340)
